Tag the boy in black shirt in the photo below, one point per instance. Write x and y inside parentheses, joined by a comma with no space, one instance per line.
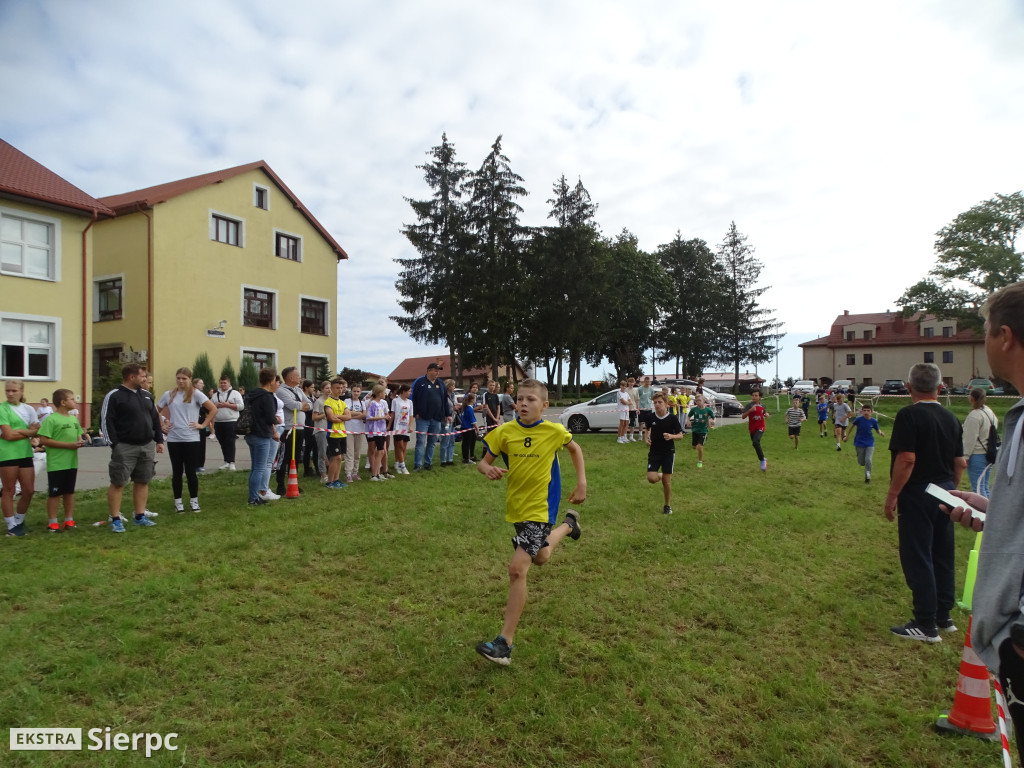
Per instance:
(663,429)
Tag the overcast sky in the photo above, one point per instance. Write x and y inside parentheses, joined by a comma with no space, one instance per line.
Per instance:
(840,138)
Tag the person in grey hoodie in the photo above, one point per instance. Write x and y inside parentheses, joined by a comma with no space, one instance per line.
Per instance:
(997,633)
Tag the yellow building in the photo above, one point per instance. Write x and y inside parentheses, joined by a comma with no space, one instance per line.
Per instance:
(230,263)
(46,246)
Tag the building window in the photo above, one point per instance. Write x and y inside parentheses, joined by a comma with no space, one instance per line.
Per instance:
(287,246)
(929,333)
(108,298)
(867,359)
(225,230)
(867,335)
(851,335)
(866,382)
(929,357)
(262,359)
(29,246)
(314,317)
(261,197)
(105,361)
(28,347)
(947,331)
(851,359)
(947,357)
(257,308)
(309,365)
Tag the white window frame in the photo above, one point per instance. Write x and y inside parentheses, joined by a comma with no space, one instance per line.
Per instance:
(56,227)
(256,189)
(276,309)
(318,356)
(298,237)
(243,351)
(96,296)
(55,344)
(327,314)
(230,217)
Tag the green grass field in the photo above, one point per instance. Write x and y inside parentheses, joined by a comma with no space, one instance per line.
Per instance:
(750,628)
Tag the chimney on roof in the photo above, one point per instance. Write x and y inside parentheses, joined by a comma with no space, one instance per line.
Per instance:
(846,311)
(887,313)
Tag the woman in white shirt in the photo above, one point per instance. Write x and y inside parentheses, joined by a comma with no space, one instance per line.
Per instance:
(183,408)
(976,432)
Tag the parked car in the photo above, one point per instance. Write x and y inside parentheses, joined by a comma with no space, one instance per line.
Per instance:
(804,387)
(839,385)
(984,384)
(871,391)
(600,413)
(894,387)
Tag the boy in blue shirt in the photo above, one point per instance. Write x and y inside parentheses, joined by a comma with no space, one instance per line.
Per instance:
(822,415)
(864,439)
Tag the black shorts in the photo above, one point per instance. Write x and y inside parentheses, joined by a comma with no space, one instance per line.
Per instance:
(25,463)
(646,416)
(822,421)
(531,536)
(61,482)
(661,462)
(377,440)
(335,446)
(633,418)
(698,438)
(401,438)
(794,431)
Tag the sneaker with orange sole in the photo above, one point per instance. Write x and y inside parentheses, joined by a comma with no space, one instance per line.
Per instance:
(69,525)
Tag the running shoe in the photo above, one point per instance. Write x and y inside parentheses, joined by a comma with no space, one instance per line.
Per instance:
(764,465)
(143,522)
(572,519)
(117,525)
(53,527)
(667,510)
(69,525)
(914,631)
(497,650)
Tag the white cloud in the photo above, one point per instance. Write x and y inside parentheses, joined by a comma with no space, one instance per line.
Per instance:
(839,138)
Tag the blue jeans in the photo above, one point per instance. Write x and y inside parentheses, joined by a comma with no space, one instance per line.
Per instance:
(261,451)
(975,469)
(427,441)
(448,444)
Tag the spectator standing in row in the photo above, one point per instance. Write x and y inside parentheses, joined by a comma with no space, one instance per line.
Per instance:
(448,429)
(492,406)
(44,410)
(132,425)
(262,438)
(508,402)
(926,447)
(356,444)
(321,427)
(204,432)
(62,435)
(401,412)
(296,404)
(645,405)
(430,409)
(977,428)
(18,425)
(185,442)
(229,404)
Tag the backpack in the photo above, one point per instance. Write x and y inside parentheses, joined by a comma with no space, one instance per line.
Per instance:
(243,426)
(993,443)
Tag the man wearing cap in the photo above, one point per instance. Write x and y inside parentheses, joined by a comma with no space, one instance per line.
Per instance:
(430,408)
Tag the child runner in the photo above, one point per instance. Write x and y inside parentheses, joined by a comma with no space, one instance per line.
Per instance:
(840,420)
(822,415)
(665,429)
(376,429)
(337,414)
(701,417)
(624,403)
(468,427)
(755,414)
(62,436)
(533,492)
(864,440)
(402,411)
(794,416)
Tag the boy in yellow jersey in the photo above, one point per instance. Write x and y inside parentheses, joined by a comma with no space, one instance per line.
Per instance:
(530,445)
(335,411)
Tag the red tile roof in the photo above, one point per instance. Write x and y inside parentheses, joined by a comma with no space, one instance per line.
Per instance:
(150,196)
(412,368)
(891,329)
(22,176)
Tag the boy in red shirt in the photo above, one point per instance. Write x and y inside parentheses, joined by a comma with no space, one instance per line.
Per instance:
(756,414)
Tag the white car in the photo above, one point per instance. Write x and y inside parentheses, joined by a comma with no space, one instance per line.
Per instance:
(871,391)
(804,387)
(600,413)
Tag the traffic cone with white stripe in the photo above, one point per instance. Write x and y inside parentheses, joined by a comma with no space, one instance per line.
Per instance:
(293,482)
(972,706)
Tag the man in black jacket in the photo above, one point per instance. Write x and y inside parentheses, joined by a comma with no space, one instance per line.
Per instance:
(132,425)
(430,407)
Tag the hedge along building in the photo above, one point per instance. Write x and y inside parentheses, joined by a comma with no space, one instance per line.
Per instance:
(47,232)
(230,263)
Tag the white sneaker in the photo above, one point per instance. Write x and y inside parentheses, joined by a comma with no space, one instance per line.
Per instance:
(367,465)
(195,505)
(375,479)
(179,506)
(226,466)
(269,495)
(231,466)
(389,476)
(404,470)
(147,513)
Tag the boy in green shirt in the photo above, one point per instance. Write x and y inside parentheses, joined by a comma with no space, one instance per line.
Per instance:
(700,418)
(62,436)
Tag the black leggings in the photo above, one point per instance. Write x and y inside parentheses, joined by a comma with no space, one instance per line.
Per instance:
(184,456)
(755,438)
(468,445)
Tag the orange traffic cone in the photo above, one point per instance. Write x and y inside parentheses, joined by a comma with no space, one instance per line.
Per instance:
(293,482)
(972,706)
